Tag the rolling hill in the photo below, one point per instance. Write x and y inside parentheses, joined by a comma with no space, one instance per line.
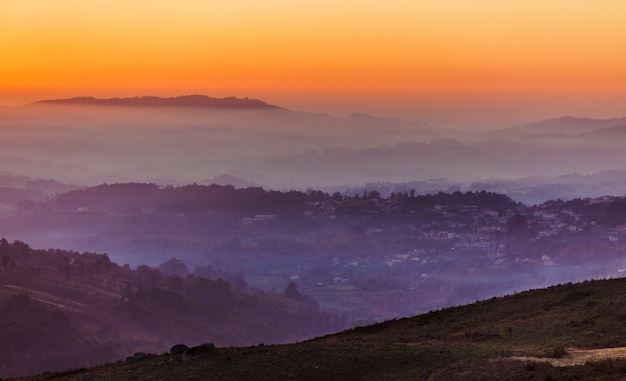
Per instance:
(61,309)
(566,125)
(565,332)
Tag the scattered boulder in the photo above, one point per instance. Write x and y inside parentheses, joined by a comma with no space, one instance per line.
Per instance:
(178,349)
(136,357)
(198,351)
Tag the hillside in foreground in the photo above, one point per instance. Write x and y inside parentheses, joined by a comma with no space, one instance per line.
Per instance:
(571,331)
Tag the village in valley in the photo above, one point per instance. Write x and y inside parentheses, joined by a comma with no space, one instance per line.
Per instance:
(402,256)
(365,256)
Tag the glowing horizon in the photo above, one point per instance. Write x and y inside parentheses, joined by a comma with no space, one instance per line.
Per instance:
(383,56)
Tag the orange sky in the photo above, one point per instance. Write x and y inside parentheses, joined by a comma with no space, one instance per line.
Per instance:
(382,56)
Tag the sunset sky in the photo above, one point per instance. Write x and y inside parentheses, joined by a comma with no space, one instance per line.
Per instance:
(448,61)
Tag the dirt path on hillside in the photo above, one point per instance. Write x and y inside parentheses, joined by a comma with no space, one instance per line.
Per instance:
(580,356)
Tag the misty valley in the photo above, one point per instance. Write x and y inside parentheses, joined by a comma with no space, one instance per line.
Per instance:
(246,266)
(312,190)
(131,225)
(197,139)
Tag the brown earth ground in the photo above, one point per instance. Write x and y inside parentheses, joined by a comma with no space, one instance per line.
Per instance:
(575,356)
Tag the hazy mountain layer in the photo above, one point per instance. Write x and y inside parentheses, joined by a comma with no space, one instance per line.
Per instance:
(190,138)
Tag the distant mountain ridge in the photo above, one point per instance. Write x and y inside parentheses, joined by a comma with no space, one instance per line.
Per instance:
(195,101)
(563,125)
(615,131)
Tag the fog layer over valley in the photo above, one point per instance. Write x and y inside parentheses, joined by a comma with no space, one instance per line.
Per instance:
(92,142)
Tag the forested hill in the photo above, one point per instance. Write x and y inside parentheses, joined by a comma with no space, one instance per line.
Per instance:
(62,309)
(255,199)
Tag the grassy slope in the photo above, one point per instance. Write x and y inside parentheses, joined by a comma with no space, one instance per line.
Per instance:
(469,342)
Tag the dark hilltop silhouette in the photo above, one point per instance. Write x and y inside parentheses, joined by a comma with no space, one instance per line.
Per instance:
(196,101)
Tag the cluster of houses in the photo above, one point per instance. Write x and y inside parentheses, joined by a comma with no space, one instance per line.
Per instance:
(460,232)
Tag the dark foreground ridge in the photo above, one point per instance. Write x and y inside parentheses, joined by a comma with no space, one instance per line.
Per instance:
(196,101)
(538,334)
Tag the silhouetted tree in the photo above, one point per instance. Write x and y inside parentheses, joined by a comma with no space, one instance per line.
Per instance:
(21,247)
(292,293)
(337,196)
(374,194)
(174,266)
